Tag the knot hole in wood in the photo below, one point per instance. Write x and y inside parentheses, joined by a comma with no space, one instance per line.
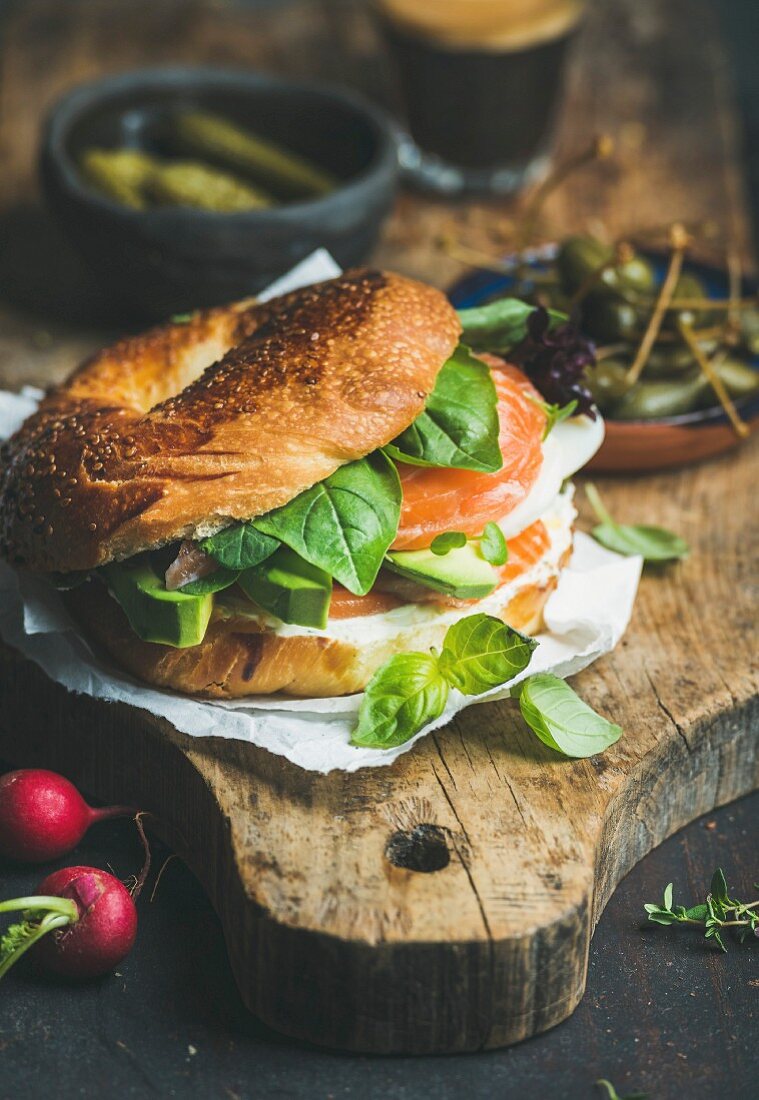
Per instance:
(421,848)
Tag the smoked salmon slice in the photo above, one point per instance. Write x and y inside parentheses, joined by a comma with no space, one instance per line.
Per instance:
(437,500)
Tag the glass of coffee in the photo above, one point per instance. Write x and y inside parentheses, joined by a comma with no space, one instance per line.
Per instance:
(480,82)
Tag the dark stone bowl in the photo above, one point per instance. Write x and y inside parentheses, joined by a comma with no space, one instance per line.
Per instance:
(165,260)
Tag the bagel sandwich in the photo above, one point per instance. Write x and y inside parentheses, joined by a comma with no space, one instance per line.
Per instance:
(279,497)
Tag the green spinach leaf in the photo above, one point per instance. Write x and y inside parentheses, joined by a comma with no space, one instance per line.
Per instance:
(561,719)
(239,547)
(459,426)
(217,581)
(406,693)
(480,652)
(651,543)
(499,326)
(344,524)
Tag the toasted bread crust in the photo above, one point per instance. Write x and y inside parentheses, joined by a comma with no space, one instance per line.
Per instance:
(237,658)
(148,443)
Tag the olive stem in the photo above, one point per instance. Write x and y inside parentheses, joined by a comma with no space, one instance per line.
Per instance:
(474,257)
(679,241)
(714,303)
(740,427)
(735,274)
(706,229)
(601,148)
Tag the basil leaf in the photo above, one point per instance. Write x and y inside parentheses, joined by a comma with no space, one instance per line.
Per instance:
(344,524)
(480,652)
(217,581)
(651,543)
(459,426)
(499,326)
(493,545)
(181,318)
(406,693)
(239,547)
(449,540)
(561,720)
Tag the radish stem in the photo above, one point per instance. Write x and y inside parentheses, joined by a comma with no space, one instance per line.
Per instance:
(49,923)
(104,813)
(63,906)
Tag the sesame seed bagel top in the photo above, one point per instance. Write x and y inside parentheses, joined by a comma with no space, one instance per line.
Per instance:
(178,432)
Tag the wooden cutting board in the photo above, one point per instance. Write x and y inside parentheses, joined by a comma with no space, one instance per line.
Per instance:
(446,903)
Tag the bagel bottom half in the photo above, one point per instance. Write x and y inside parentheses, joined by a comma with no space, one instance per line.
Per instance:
(238,657)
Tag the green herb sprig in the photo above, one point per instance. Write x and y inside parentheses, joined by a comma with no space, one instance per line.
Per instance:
(653,544)
(492,544)
(717,913)
(443,543)
(554,414)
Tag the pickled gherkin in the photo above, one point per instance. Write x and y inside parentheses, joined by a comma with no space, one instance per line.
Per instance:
(662,397)
(221,142)
(118,173)
(739,378)
(189,183)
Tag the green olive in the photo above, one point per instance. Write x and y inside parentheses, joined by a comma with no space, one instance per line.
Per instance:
(672,360)
(607,381)
(637,275)
(658,398)
(608,320)
(580,257)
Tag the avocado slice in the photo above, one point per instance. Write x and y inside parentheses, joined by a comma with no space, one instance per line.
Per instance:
(461,572)
(154,613)
(290,588)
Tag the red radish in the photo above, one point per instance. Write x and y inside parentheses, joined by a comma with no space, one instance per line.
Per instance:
(83,921)
(43,815)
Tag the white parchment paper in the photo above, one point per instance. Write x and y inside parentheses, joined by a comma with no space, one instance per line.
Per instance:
(585,618)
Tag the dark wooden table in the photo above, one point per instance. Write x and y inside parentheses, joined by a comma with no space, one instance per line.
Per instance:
(662,1013)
